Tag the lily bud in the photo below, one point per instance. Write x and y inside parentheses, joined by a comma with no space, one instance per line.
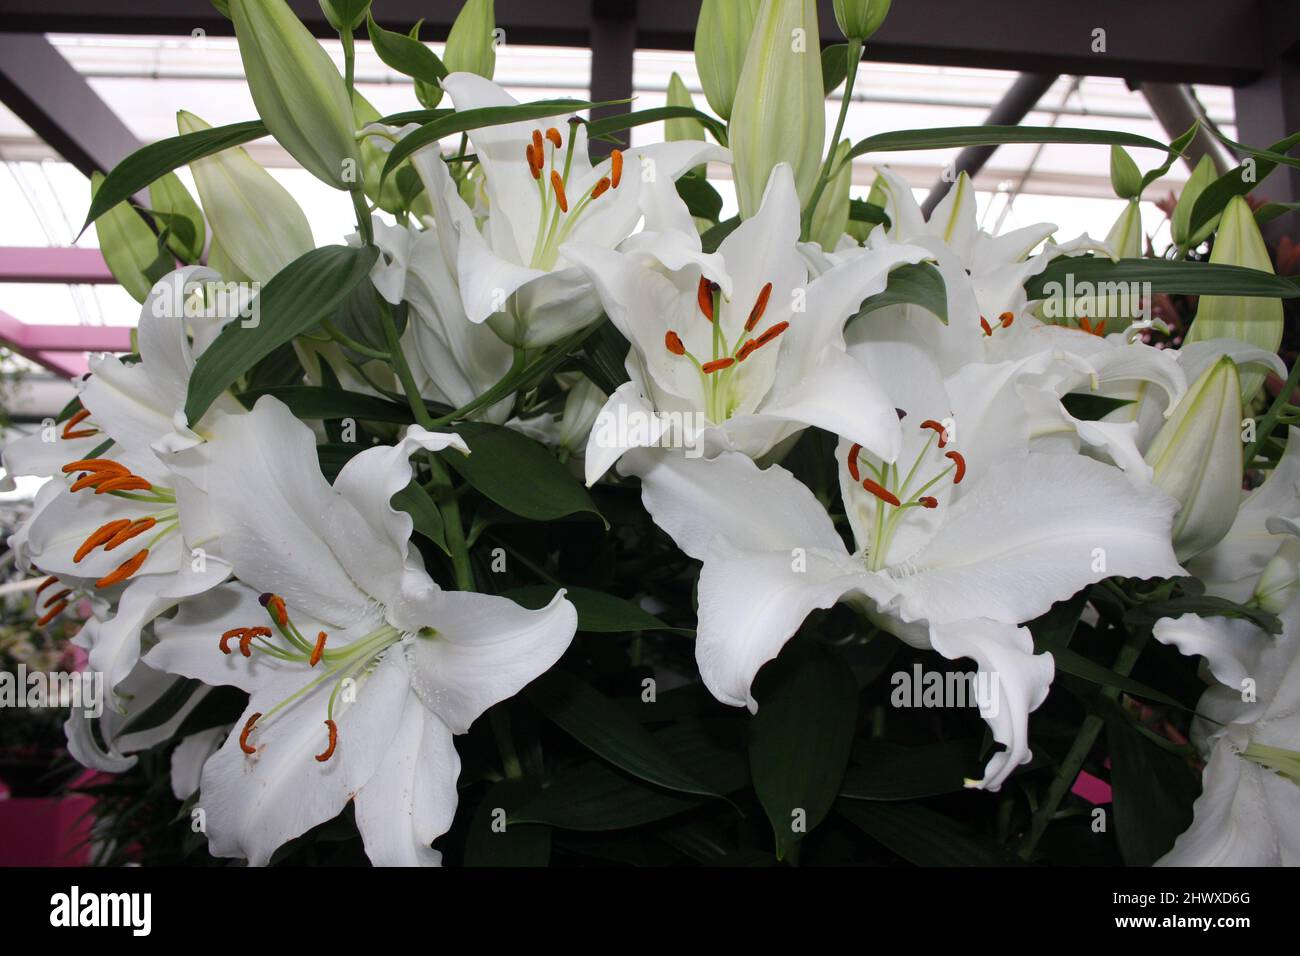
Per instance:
(831,217)
(129,247)
(582,406)
(1197,458)
(681,128)
(1125,237)
(721,39)
(297,90)
(176,211)
(260,227)
(1279,583)
(1181,222)
(859,19)
(1252,319)
(779,114)
(1125,177)
(345,15)
(471,43)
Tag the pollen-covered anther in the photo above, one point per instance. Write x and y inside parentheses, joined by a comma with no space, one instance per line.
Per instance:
(250,634)
(704,296)
(318,650)
(708,368)
(1006,318)
(124,483)
(538,148)
(70,429)
(553,135)
(673,343)
(760,306)
(244,745)
(770,334)
(45,584)
(616,167)
(274,604)
(334,740)
(94,479)
(960,462)
(100,535)
(123,570)
(854,452)
(534,161)
(557,186)
(96,464)
(984,324)
(51,614)
(600,188)
(226,638)
(938,428)
(58,596)
(881,492)
(928,502)
(139,526)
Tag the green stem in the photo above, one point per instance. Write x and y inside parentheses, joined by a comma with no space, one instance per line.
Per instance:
(346,340)
(449,506)
(854,55)
(364,225)
(349,60)
(1091,727)
(1265,426)
(500,720)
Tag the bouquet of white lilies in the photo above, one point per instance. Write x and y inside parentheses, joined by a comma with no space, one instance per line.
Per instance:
(808,533)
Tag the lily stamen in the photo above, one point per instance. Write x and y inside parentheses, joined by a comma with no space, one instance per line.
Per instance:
(616,167)
(51,614)
(760,306)
(318,650)
(243,735)
(100,535)
(557,184)
(717,365)
(854,471)
(704,296)
(938,429)
(334,739)
(45,584)
(123,483)
(123,570)
(881,492)
(960,462)
(126,534)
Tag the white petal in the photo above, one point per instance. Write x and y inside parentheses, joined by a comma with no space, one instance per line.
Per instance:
(729,497)
(752,602)
(1230,646)
(1016,682)
(189,757)
(411,799)
(625,422)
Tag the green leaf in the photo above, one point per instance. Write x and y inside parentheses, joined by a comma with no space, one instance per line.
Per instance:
(606,729)
(1074,663)
(835,66)
(594,796)
(130,248)
(1272,210)
(922,836)
(310,401)
(862,211)
(800,741)
(605,127)
(606,353)
(407,56)
(918,284)
(1165,275)
(309,289)
(702,200)
(1092,408)
(882,771)
(1153,793)
(598,612)
(1238,181)
(487,844)
(154,161)
(464,121)
(712,238)
(518,473)
(961,136)
(415,501)
(1176,149)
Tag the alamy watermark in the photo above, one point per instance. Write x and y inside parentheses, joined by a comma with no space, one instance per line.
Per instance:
(1098,300)
(926,688)
(83,690)
(177,297)
(635,428)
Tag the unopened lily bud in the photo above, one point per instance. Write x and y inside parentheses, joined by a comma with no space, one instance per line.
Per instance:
(1125,177)
(129,247)
(779,115)
(260,227)
(1181,223)
(1125,237)
(1197,459)
(859,19)
(581,408)
(471,44)
(721,39)
(1252,319)
(298,91)
(345,15)
(831,217)
(1279,583)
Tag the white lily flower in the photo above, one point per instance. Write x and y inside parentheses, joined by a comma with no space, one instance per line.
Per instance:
(122,494)
(360,668)
(960,540)
(543,191)
(454,359)
(743,345)
(1248,726)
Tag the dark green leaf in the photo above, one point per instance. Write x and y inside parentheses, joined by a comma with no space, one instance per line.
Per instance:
(310,401)
(306,291)
(862,211)
(1074,663)
(167,706)
(835,67)
(1092,408)
(889,772)
(593,796)
(962,136)
(598,612)
(800,741)
(922,836)
(607,730)
(1238,181)
(602,128)
(518,474)
(606,352)
(1273,210)
(701,199)
(713,237)
(1165,275)
(151,162)
(415,501)
(1153,793)
(493,840)
(407,56)
(919,284)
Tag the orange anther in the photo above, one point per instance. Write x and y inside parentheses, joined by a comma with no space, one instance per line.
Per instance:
(74,421)
(1007,318)
(57,596)
(243,735)
(760,306)
(600,188)
(854,452)
(126,534)
(99,536)
(537,143)
(123,570)
(334,739)
(553,135)
(938,427)
(124,483)
(771,333)
(673,342)
(984,324)
(884,494)
(45,584)
(960,462)
(708,368)
(704,296)
(226,638)
(557,184)
(928,502)
(94,479)
(318,650)
(51,614)
(616,167)
(96,464)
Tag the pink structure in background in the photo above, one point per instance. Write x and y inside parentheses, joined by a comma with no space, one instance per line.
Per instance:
(60,348)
